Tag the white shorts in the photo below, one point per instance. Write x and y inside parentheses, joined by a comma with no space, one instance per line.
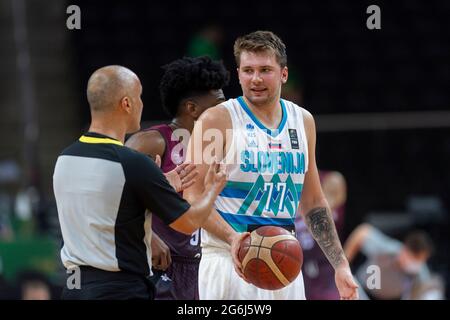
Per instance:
(217,280)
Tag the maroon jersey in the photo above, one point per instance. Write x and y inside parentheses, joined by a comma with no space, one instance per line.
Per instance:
(181,245)
(318,274)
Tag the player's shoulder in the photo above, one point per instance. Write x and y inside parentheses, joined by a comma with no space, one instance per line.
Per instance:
(145,136)
(308,118)
(149,133)
(215,111)
(303,110)
(216,116)
(149,142)
(131,157)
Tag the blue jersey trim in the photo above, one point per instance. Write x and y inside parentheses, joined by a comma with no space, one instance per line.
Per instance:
(242,219)
(272,133)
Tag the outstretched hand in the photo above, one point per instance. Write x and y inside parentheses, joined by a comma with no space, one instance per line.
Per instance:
(182,177)
(216,177)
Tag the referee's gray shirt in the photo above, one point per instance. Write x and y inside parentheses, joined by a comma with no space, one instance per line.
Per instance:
(103,191)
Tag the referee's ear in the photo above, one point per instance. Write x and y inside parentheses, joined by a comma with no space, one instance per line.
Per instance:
(125,104)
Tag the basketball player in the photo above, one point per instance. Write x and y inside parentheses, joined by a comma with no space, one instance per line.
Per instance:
(188,87)
(268,146)
(318,274)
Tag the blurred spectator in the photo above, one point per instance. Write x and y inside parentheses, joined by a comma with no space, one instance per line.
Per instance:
(318,274)
(404,273)
(35,290)
(34,286)
(206,42)
(9,181)
(6,231)
(432,289)
(9,172)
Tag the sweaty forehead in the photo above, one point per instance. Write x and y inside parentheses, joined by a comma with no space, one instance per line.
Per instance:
(258,59)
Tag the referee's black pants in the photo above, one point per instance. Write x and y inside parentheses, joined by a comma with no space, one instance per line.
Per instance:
(99,284)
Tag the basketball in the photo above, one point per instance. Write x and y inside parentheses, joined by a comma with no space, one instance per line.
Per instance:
(271,257)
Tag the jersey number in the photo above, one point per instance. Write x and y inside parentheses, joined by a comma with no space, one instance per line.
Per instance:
(281,187)
(195,237)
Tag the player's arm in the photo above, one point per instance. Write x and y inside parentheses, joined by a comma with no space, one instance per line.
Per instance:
(314,206)
(161,258)
(217,119)
(158,196)
(200,210)
(317,216)
(196,154)
(356,240)
(152,143)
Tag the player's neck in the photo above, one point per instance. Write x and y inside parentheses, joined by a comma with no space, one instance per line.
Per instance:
(270,114)
(182,123)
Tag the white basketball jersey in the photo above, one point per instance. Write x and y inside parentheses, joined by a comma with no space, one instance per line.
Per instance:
(266,169)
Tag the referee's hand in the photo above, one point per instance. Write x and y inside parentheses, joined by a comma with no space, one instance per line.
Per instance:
(216,177)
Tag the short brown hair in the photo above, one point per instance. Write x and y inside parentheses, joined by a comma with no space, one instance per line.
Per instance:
(418,241)
(261,41)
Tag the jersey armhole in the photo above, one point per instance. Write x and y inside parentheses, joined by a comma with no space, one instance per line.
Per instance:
(233,116)
(303,132)
(305,138)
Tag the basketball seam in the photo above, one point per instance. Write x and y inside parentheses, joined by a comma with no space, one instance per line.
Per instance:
(272,240)
(248,256)
(272,265)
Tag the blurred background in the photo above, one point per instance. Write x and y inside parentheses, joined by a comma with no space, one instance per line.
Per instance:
(380,98)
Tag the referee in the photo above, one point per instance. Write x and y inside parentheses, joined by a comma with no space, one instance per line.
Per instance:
(105,193)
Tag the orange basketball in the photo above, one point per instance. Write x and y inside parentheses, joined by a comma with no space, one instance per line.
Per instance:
(271,257)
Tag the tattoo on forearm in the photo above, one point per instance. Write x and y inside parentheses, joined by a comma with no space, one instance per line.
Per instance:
(324,232)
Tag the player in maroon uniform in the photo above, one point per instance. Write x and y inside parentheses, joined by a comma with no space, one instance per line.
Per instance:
(188,87)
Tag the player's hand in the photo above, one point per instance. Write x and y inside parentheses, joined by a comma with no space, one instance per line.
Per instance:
(235,245)
(216,177)
(348,289)
(182,177)
(161,258)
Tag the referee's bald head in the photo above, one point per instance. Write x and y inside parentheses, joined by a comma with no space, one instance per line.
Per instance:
(108,85)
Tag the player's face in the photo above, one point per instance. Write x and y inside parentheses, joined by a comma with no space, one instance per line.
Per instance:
(261,77)
(206,101)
